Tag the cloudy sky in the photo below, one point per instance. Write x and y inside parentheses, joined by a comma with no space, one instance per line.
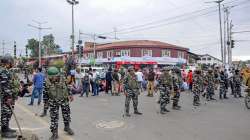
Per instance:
(188,23)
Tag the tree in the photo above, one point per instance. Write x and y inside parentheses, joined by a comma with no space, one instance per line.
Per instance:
(33,46)
(49,46)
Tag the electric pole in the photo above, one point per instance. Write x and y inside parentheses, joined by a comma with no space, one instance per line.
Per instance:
(3,45)
(221,39)
(40,28)
(73,3)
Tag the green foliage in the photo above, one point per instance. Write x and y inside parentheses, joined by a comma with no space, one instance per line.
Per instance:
(47,46)
(33,45)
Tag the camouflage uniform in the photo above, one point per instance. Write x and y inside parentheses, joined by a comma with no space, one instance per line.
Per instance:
(9,91)
(237,84)
(45,99)
(223,91)
(131,87)
(165,87)
(58,94)
(196,89)
(210,81)
(177,83)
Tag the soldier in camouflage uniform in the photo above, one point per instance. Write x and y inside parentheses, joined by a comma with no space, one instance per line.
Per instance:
(165,87)
(131,90)
(9,92)
(237,84)
(45,100)
(59,96)
(177,83)
(223,91)
(210,82)
(196,89)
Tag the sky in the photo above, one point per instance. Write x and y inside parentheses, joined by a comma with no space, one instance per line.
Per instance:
(192,24)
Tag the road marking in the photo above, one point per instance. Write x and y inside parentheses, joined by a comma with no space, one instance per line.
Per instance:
(42,121)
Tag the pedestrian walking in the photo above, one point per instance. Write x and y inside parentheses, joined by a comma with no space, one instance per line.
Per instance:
(151,82)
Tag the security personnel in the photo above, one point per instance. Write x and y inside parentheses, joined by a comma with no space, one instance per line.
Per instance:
(196,89)
(223,91)
(59,96)
(165,87)
(8,95)
(210,82)
(45,100)
(131,88)
(237,83)
(177,83)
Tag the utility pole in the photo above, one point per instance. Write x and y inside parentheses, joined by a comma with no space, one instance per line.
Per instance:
(230,44)
(221,39)
(40,28)
(3,45)
(225,34)
(73,3)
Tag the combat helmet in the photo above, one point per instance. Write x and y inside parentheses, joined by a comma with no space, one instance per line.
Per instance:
(53,71)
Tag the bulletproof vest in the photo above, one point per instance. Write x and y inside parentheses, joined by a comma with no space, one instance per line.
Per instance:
(57,90)
(6,83)
(167,79)
(132,82)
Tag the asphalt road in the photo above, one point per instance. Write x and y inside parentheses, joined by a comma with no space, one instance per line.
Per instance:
(101,118)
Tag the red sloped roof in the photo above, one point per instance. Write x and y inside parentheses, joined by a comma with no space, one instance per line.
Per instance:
(136,43)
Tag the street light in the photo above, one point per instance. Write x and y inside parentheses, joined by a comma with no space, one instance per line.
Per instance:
(73,3)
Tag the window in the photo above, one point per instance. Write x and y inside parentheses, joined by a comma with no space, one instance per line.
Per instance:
(90,55)
(146,52)
(125,52)
(99,54)
(109,54)
(181,54)
(209,58)
(204,59)
(166,53)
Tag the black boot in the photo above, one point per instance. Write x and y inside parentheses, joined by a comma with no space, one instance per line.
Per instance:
(162,112)
(176,107)
(68,129)
(137,112)
(5,133)
(54,136)
(11,130)
(166,110)
(44,113)
(127,114)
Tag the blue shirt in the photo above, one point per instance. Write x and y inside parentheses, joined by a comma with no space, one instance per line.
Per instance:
(38,80)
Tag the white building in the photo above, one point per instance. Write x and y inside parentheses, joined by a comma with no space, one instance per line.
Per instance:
(209,60)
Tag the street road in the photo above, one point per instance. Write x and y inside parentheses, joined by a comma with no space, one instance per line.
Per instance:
(101,118)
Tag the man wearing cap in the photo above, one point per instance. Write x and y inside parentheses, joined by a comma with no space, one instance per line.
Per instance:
(59,96)
(131,90)
(165,86)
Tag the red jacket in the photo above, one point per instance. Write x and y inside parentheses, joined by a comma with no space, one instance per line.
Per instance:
(190,77)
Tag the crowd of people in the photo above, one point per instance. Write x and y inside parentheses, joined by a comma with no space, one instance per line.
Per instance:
(57,89)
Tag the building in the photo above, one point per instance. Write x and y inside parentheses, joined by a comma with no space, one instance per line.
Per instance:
(209,60)
(136,51)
